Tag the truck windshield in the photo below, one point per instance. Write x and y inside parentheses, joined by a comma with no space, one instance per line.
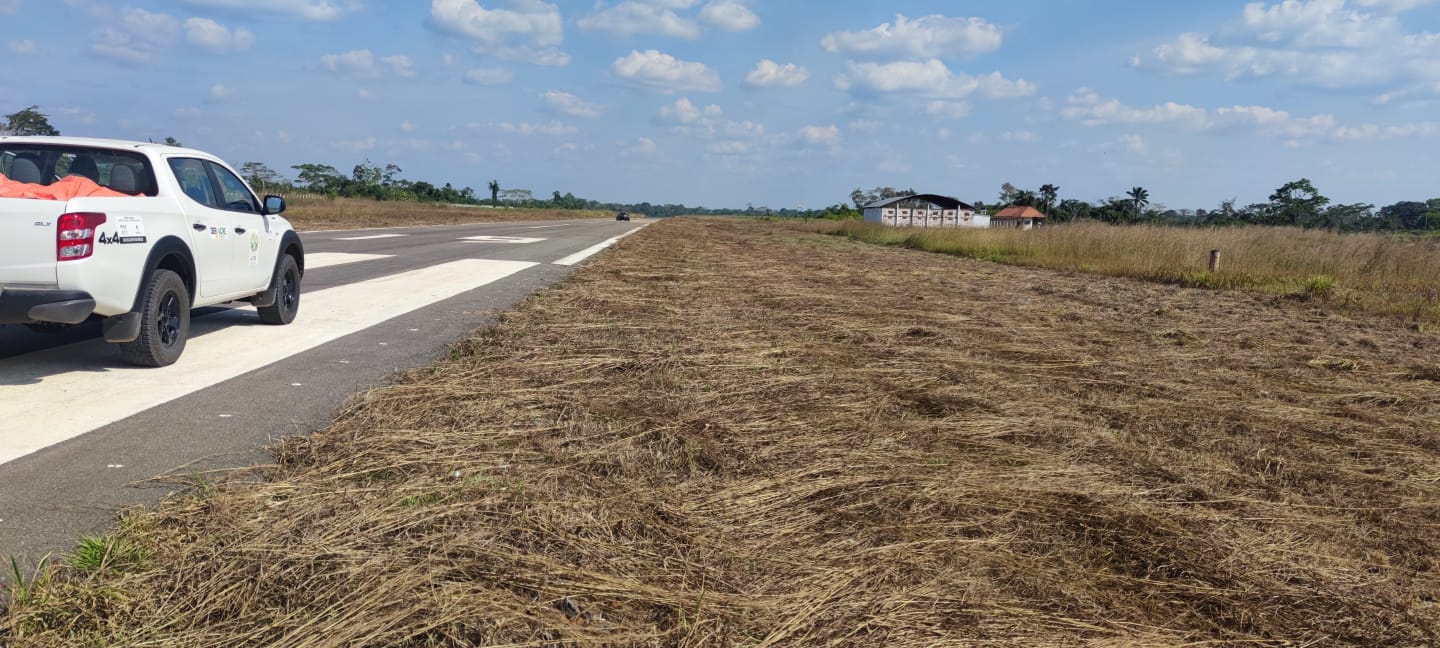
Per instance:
(127,172)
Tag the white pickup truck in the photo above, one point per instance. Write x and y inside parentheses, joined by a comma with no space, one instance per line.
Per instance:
(166,230)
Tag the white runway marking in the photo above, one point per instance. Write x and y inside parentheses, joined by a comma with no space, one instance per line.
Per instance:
(326,259)
(595,249)
(501,239)
(58,394)
(369,238)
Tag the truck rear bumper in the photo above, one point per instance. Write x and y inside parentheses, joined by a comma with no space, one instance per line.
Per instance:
(23,306)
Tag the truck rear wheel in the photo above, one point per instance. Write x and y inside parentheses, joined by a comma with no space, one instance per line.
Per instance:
(164,322)
(287,294)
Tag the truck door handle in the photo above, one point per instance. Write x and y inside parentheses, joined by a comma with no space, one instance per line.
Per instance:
(239,230)
(199,227)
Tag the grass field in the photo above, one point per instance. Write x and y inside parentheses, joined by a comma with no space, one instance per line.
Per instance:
(309,214)
(1373,273)
(730,433)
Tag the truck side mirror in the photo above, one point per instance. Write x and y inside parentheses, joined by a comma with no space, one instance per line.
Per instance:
(274,205)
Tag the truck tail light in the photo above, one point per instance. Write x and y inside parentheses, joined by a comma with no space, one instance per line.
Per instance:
(75,238)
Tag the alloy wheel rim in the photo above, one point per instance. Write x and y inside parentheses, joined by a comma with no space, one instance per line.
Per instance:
(292,294)
(169,320)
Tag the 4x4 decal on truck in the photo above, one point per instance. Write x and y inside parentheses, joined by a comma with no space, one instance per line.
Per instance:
(122,240)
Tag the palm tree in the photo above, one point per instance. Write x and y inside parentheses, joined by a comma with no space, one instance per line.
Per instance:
(1048,194)
(495,192)
(1139,199)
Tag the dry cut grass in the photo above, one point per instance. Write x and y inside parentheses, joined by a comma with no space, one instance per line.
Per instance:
(728,433)
(309,214)
(1367,272)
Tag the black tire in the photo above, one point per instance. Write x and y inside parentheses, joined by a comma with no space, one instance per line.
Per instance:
(164,322)
(287,294)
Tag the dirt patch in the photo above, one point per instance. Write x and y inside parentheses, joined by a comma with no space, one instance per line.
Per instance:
(730,433)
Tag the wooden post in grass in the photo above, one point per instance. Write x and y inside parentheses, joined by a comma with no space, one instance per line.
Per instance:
(1214,261)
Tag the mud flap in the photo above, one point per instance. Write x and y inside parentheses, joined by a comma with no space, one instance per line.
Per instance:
(121,328)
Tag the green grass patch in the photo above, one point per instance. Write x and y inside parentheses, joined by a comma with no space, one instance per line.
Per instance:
(109,552)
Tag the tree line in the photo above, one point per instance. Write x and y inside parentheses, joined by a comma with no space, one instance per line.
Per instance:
(1296,204)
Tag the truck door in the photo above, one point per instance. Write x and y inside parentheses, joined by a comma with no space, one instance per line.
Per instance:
(213,234)
(255,252)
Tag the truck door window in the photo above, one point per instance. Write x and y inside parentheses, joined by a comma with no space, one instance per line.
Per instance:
(194,181)
(236,196)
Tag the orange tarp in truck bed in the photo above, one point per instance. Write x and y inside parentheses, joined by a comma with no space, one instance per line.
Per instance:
(74,186)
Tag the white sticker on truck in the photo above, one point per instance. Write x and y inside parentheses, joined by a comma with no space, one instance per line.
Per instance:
(128,225)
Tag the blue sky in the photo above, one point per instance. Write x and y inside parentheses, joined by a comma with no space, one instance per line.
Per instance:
(780,103)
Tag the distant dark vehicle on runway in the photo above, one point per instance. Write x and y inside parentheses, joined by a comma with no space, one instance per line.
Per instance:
(622,216)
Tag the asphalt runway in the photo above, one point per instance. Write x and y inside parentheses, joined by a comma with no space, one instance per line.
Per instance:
(82,434)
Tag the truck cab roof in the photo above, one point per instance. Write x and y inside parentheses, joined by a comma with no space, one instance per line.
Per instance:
(99,142)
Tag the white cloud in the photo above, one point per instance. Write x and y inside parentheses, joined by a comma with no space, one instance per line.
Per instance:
(1135,144)
(155,29)
(631,17)
(219,91)
(930,79)
(1087,107)
(1395,5)
(116,44)
(530,31)
(729,15)
(364,64)
(488,76)
(187,112)
(1339,44)
(729,148)
(929,37)
(408,126)
(569,104)
(685,112)
(770,73)
(571,151)
(138,36)
(552,128)
(212,36)
(307,9)
(866,124)
(642,148)
(354,62)
(948,109)
(1020,136)
(26,46)
(354,146)
(707,123)
(663,72)
(821,135)
(1276,123)
(1411,130)
(401,65)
